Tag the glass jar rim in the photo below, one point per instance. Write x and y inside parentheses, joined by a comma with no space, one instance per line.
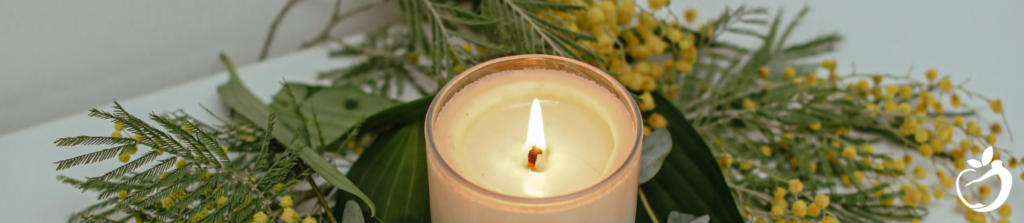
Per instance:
(619,91)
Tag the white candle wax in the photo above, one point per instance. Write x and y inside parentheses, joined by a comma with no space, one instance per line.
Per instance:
(489,125)
(588,135)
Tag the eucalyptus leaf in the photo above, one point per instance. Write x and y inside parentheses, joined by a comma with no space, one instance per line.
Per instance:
(656,147)
(337,109)
(352,213)
(237,96)
(393,173)
(690,179)
(679,217)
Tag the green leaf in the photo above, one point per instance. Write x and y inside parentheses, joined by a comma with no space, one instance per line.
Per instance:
(337,109)
(352,213)
(237,96)
(393,172)
(690,179)
(656,147)
(678,217)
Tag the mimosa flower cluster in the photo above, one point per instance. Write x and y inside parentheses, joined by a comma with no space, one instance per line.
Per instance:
(814,158)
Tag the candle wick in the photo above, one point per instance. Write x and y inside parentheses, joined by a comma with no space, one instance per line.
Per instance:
(531,158)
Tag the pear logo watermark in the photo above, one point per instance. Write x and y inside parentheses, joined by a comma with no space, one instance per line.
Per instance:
(997,169)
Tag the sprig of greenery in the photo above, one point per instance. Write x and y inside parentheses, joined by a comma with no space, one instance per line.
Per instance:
(196,180)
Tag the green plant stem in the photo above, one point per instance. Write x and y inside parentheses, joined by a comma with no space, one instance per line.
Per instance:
(273,28)
(320,198)
(647,206)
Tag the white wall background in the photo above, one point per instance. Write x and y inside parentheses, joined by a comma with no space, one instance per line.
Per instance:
(61,57)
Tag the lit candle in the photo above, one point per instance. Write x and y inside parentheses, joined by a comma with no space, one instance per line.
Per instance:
(533,138)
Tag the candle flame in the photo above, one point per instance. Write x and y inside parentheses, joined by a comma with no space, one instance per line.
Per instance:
(535,130)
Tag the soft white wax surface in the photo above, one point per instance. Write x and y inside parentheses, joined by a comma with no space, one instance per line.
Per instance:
(482,131)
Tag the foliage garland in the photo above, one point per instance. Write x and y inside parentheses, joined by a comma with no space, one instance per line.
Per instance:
(787,144)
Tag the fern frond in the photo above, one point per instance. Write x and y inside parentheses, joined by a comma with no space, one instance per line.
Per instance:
(93,156)
(130,166)
(92,141)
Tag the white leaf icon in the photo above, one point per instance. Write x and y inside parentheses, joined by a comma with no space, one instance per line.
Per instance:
(986,157)
(974,163)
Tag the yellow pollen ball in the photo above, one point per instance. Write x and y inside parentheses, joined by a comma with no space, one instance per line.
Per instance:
(690,14)
(779,193)
(789,72)
(945,85)
(124,157)
(904,108)
(796,186)
(259,217)
(972,127)
(595,16)
(656,121)
(813,210)
(656,4)
(800,208)
(1005,210)
(766,151)
(997,106)
(926,150)
(762,72)
(892,90)
(862,85)
(828,64)
(815,126)
(290,216)
(849,152)
(626,11)
(749,105)
(725,161)
(984,190)
(931,74)
(822,200)
(286,201)
(921,136)
(829,219)
(906,91)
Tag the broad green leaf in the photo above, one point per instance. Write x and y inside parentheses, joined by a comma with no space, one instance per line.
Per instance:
(678,217)
(656,147)
(337,109)
(690,179)
(393,172)
(352,213)
(399,114)
(237,96)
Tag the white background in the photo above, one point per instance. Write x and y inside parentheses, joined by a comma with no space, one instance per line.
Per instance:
(58,58)
(62,57)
